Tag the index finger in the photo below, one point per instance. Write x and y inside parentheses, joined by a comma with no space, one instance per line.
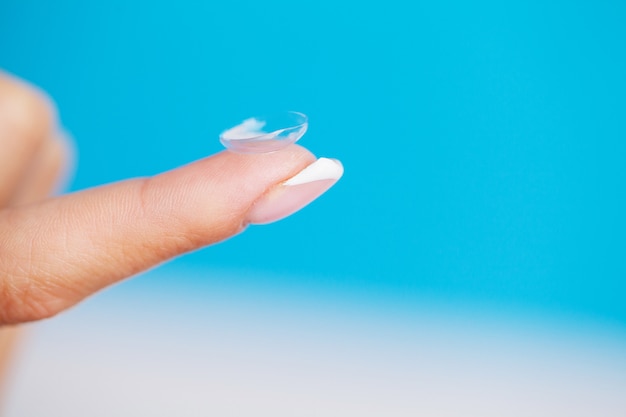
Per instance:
(58,252)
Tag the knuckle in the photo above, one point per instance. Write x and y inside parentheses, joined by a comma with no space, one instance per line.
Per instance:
(177,234)
(26,111)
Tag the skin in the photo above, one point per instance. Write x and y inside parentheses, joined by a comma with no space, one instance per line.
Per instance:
(56,251)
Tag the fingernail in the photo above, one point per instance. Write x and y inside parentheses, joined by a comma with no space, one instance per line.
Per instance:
(295,193)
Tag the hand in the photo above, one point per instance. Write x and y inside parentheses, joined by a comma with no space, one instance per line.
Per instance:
(54,252)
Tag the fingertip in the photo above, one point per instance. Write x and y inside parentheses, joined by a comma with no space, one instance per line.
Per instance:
(292,195)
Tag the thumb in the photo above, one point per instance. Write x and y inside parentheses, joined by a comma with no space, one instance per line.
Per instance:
(54,254)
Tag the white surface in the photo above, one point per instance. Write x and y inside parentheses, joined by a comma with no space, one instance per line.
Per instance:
(143,353)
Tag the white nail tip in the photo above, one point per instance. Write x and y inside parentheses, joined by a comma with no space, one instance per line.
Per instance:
(322,169)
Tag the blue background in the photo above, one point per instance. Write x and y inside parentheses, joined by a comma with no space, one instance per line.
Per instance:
(483,141)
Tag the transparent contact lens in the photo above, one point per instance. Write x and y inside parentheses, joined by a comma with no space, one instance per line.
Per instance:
(265,134)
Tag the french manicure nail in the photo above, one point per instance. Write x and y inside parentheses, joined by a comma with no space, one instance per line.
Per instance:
(296,192)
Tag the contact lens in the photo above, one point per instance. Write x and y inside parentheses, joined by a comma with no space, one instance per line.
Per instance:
(265,133)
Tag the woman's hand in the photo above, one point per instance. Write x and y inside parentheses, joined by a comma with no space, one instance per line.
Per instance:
(54,252)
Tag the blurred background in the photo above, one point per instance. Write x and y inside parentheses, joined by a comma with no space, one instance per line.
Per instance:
(471,260)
